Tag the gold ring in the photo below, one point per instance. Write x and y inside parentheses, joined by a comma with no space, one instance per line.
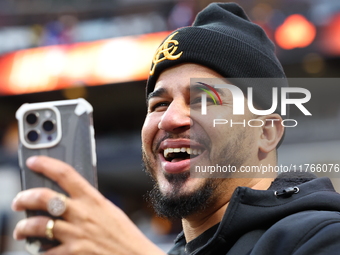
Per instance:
(56,206)
(49,229)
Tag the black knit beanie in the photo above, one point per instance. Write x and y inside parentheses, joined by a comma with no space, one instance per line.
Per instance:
(223,38)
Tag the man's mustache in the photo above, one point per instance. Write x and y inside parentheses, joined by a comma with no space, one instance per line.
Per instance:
(195,138)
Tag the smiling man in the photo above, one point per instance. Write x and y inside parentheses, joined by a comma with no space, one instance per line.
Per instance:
(221,43)
(230,215)
(171,134)
(253,215)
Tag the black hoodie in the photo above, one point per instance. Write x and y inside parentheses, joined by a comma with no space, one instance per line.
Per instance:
(295,216)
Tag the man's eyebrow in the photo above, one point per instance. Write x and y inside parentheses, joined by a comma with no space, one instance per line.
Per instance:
(196,88)
(156,93)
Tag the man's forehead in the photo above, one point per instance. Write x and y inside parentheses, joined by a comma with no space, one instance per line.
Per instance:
(187,78)
(187,74)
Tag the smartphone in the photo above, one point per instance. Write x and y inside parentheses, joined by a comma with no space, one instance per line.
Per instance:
(62,130)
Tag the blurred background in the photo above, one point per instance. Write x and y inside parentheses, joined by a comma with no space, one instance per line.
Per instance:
(101,50)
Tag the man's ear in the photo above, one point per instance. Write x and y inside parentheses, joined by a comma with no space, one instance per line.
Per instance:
(272,132)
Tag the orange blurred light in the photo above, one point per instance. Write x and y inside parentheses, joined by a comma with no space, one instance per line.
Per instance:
(90,63)
(331,37)
(295,32)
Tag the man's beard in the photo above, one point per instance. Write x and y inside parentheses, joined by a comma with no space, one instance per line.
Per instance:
(175,205)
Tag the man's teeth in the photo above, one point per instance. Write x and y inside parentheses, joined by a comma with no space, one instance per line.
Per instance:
(183,149)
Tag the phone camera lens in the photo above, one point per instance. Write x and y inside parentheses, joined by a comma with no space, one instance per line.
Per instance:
(32,118)
(48,125)
(33,136)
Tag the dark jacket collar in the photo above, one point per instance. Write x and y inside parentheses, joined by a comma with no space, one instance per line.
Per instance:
(259,209)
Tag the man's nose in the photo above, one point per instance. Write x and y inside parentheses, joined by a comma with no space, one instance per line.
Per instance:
(176,118)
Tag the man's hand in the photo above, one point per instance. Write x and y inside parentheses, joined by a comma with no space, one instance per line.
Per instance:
(91,224)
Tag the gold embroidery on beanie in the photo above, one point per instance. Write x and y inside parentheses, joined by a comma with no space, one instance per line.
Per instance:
(167,51)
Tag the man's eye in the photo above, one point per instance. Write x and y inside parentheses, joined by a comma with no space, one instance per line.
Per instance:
(159,106)
(198,100)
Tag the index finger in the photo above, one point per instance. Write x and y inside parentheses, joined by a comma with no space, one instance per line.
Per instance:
(63,174)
